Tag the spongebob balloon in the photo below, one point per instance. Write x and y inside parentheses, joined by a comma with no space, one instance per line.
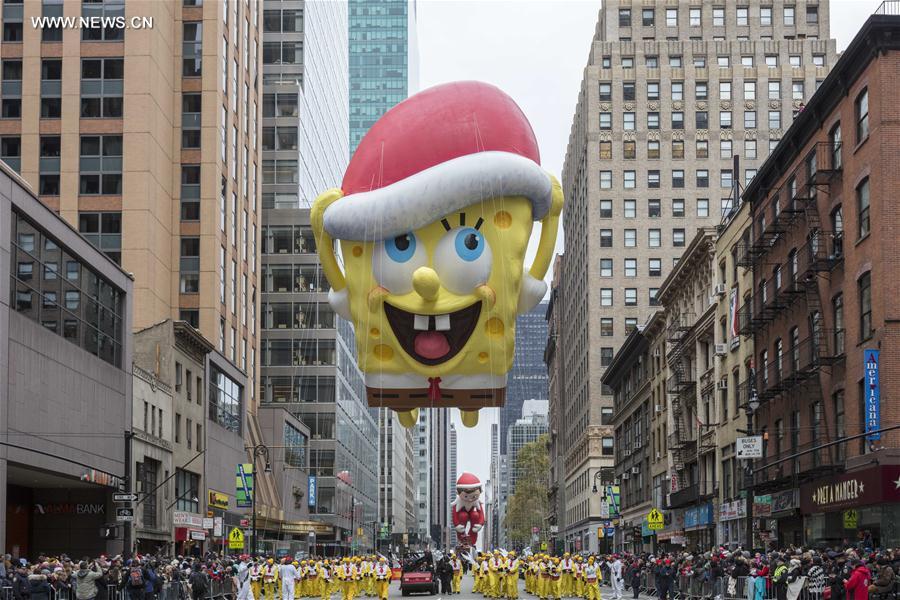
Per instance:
(434,217)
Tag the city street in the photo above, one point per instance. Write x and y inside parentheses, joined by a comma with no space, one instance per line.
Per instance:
(468,594)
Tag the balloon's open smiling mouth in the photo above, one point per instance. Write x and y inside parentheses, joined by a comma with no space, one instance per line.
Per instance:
(433,339)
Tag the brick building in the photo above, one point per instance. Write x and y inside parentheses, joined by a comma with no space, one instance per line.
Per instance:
(822,253)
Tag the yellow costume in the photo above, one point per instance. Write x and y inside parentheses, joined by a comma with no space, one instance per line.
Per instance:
(512,577)
(456,565)
(591,580)
(256,581)
(271,583)
(382,577)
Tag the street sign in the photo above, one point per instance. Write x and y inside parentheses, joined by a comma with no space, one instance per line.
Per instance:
(851,519)
(655,519)
(600,533)
(235,539)
(124,515)
(749,447)
(543,546)
(244,485)
(125,497)
(604,509)
(208,522)
(218,526)
(245,522)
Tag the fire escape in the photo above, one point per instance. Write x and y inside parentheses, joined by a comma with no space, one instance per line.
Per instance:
(780,284)
(680,386)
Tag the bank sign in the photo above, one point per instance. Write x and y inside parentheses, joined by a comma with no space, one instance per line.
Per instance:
(873,395)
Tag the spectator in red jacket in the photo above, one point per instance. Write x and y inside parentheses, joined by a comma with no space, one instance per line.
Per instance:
(858,584)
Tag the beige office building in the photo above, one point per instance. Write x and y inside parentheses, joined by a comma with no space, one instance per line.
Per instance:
(672,91)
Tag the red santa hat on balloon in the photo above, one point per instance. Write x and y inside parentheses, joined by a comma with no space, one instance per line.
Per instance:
(436,152)
(439,151)
(468,481)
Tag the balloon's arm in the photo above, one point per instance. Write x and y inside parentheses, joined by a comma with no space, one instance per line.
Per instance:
(549,228)
(324,243)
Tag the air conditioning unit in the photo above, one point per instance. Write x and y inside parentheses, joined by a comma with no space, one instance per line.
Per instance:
(658,408)
(658,455)
(615,481)
(721,349)
(720,290)
(656,352)
(625,475)
(723,384)
(635,470)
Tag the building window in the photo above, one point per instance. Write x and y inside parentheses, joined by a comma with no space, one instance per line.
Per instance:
(605,92)
(628,91)
(108,10)
(187,491)
(279,138)
(86,311)
(606,327)
(834,138)
(677,148)
(104,231)
(789,16)
(723,61)
(100,165)
(653,238)
(654,266)
(652,120)
(671,17)
(725,149)
(630,296)
(677,120)
(725,119)
(749,149)
(701,119)
(606,267)
(678,237)
(694,17)
(630,238)
(51,89)
(283,21)
(189,265)
(628,121)
(101,87)
(147,476)
(606,209)
(11,152)
(605,180)
(862,115)
(12,21)
(50,150)
(652,90)
(190,192)
(703,207)
(606,297)
(287,52)
(749,119)
(629,149)
(678,178)
(630,267)
(653,179)
(280,171)
(654,209)
(862,208)
(630,180)
(606,238)
(864,285)
(605,120)
(605,150)
(12,89)
(225,401)
(653,300)
(629,208)
(608,446)
(774,89)
(294,446)
(726,179)
(191,107)
(678,207)
(624,17)
(701,148)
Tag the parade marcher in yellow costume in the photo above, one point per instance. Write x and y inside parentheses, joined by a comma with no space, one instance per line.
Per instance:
(256,580)
(578,577)
(324,579)
(512,576)
(566,566)
(495,566)
(543,577)
(591,580)
(270,580)
(346,574)
(456,565)
(382,577)
(485,576)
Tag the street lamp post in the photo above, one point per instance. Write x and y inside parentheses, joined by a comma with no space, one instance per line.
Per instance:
(258,450)
(749,409)
(603,476)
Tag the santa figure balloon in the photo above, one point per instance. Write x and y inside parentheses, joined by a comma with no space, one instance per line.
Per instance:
(467,510)
(433,217)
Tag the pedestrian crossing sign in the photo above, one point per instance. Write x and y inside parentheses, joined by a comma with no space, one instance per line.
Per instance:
(655,519)
(235,539)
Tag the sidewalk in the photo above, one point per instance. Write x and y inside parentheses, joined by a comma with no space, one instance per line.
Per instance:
(606,593)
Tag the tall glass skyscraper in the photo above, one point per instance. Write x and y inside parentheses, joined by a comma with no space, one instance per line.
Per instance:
(384,60)
(308,362)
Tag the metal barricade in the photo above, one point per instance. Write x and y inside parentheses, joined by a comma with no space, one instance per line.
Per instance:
(6,593)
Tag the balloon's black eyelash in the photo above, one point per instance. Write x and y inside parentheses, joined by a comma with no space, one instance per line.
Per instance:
(479,223)
(446,224)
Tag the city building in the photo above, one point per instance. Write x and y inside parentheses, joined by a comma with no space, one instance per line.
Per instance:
(688,295)
(308,364)
(452,475)
(523,431)
(527,379)
(145,138)
(637,388)
(397,481)
(670,94)
(735,357)
(822,250)
(384,60)
(432,443)
(65,366)
(492,508)
(169,438)
(556,411)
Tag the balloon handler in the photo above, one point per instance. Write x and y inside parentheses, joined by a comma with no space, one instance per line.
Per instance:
(433,217)
(467,510)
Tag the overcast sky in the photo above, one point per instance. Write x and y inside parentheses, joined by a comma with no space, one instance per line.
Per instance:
(536,51)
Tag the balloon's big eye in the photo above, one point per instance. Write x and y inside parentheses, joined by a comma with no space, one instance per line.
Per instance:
(401,248)
(469,244)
